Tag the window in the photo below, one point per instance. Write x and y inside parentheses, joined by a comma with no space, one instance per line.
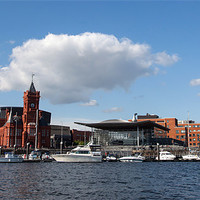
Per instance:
(193,135)
(31,131)
(194,139)
(177,131)
(182,136)
(177,137)
(43,133)
(182,131)
(167,121)
(194,144)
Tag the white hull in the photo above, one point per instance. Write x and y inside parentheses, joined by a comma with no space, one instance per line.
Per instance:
(132,159)
(190,157)
(166,156)
(74,158)
(11,160)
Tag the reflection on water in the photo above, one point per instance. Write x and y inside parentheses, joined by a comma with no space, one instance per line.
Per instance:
(99,181)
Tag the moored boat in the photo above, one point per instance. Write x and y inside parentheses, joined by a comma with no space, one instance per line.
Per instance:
(111,158)
(80,154)
(190,157)
(11,158)
(135,158)
(165,156)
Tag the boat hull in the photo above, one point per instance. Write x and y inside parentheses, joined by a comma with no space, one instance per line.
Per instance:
(132,159)
(11,160)
(190,157)
(77,158)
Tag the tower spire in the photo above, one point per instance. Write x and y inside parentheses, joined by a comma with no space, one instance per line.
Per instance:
(32,87)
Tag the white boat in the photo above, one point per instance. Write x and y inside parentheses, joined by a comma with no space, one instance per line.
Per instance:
(111,158)
(166,155)
(35,155)
(135,158)
(11,158)
(190,157)
(46,157)
(80,154)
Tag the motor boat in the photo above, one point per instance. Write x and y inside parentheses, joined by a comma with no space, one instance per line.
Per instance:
(111,158)
(46,157)
(80,154)
(165,156)
(134,158)
(11,158)
(190,157)
(35,155)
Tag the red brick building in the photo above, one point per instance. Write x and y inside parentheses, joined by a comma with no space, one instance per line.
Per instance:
(179,130)
(18,125)
(81,136)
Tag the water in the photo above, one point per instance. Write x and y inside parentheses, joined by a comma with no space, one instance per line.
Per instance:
(170,180)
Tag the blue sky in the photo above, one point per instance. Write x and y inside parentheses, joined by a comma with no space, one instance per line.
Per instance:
(166,32)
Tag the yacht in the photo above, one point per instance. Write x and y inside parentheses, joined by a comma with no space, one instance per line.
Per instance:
(135,158)
(11,158)
(80,154)
(166,156)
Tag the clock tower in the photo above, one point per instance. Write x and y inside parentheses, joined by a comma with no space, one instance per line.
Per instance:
(31,105)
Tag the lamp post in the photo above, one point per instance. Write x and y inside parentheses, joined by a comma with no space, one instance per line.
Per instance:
(61,140)
(16,118)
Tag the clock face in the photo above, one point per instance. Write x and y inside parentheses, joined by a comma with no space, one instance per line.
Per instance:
(32,105)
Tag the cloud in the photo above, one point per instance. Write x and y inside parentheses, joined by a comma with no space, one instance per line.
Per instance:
(195,82)
(113,110)
(69,68)
(12,42)
(90,103)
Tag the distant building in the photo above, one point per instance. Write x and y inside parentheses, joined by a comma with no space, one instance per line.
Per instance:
(121,132)
(59,133)
(18,125)
(179,130)
(81,136)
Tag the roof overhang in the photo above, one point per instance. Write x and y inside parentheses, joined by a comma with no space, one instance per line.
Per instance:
(123,125)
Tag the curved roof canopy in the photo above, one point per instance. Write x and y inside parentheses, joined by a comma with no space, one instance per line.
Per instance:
(122,125)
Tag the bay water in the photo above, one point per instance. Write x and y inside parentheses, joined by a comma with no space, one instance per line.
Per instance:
(147,180)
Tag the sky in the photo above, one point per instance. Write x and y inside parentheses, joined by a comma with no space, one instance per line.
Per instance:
(100,60)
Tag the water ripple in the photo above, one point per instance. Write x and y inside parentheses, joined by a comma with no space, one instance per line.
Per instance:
(100,181)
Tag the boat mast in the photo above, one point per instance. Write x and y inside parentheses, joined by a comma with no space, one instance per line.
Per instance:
(188,134)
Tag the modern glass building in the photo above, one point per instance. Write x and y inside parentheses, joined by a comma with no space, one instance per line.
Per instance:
(121,132)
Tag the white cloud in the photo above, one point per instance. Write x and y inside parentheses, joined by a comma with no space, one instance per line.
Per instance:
(69,68)
(112,110)
(195,82)
(90,103)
